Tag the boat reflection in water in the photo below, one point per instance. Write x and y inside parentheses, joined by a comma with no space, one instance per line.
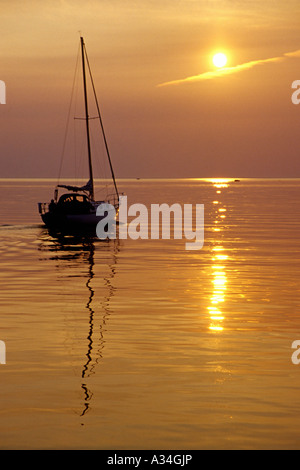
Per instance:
(78,257)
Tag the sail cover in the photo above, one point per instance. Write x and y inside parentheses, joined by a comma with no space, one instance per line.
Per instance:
(86,187)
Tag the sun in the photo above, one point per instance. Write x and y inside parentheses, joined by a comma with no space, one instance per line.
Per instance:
(220,59)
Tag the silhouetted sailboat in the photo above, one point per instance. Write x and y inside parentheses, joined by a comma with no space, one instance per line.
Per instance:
(76,209)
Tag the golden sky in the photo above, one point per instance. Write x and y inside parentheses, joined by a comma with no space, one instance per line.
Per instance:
(232,122)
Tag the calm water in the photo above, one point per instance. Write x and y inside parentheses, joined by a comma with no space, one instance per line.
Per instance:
(144,345)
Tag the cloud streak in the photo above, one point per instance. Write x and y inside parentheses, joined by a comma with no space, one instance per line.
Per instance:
(230,70)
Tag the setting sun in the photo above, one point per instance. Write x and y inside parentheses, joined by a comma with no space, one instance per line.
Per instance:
(219,59)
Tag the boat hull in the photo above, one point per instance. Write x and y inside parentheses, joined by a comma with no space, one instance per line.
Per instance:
(75,223)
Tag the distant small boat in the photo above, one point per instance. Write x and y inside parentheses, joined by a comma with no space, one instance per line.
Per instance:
(76,209)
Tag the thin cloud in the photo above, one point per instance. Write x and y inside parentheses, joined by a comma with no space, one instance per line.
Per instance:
(229,70)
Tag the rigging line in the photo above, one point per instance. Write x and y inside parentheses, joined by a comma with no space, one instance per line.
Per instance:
(97,151)
(76,139)
(84,119)
(68,118)
(101,124)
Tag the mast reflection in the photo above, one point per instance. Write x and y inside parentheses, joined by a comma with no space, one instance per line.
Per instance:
(83,251)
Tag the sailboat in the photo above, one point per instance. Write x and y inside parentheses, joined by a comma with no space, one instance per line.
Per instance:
(75,210)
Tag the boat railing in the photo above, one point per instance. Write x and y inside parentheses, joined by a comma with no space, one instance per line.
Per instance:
(43,207)
(112,199)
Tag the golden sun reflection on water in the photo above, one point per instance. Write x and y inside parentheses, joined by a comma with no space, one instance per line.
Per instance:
(217,298)
(218,267)
(220,183)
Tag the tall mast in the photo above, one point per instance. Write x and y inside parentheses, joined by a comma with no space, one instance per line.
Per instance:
(87,121)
